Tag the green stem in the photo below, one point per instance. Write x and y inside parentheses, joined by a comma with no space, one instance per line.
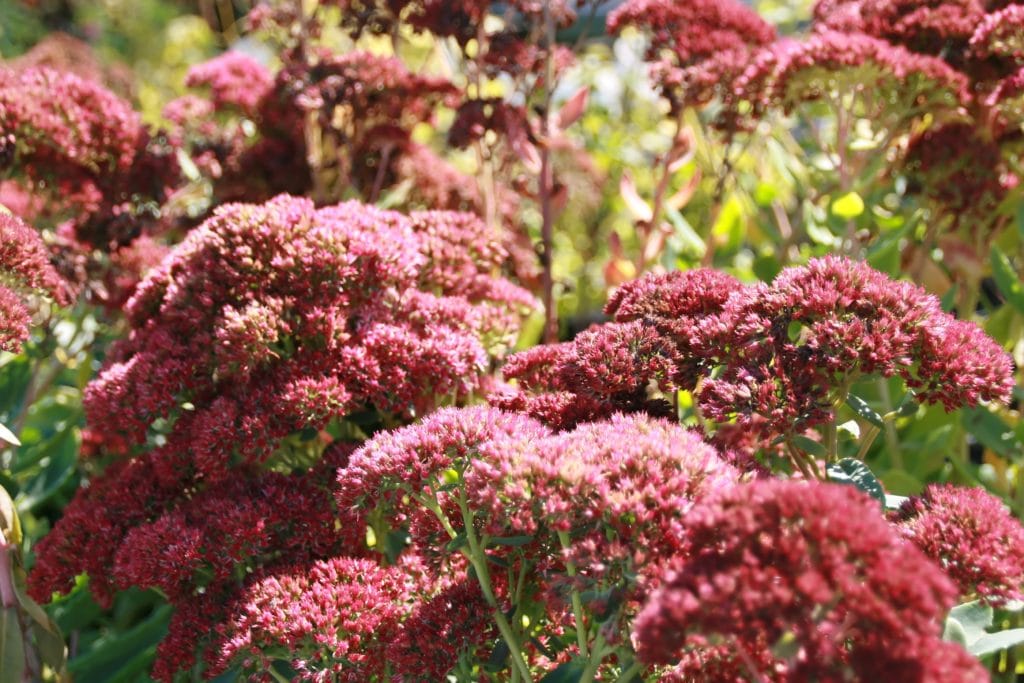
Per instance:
(597,654)
(577,602)
(478,559)
(629,673)
(892,443)
(432,505)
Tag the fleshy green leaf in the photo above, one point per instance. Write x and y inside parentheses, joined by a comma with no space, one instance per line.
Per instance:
(1006,278)
(971,618)
(809,445)
(855,473)
(12,647)
(865,411)
(568,672)
(994,642)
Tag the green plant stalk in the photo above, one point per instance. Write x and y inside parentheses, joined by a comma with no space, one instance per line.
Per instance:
(577,602)
(629,673)
(892,442)
(478,559)
(597,655)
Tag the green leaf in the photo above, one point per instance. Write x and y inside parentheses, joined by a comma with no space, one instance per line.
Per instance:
(1006,278)
(853,472)
(991,431)
(850,205)
(457,543)
(809,445)
(971,619)
(12,647)
(499,657)
(865,411)
(994,642)
(110,655)
(513,541)
(568,672)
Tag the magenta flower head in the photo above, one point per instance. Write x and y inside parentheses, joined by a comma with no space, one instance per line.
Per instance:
(87,147)
(611,494)
(275,318)
(692,31)
(972,535)
(696,48)
(794,73)
(785,347)
(632,364)
(795,581)
(331,621)
(389,476)
(25,272)
(235,81)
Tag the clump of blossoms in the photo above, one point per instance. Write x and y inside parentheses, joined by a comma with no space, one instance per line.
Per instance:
(250,347)
(696,48)
(794,581)
(573,519)
(343,610)
(972,535)
(87,151)
(25,273)
(771,359)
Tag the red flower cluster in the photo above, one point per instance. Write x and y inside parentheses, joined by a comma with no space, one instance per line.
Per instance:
(631,364)
(610,494)
(86,149)
(972,535)
(696,48)
(331,621)
(788,74)
(233,367)
(235,81)
(226,336)
(780,350)
(693,31)
(793,581)
(25,271)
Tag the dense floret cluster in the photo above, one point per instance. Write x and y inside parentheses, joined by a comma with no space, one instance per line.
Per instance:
(25,271)
(972,535)
(287,373)
(84,148)
(794,581)
(775,358)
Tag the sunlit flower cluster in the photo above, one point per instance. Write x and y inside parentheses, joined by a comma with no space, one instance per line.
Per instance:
(793,581)
(25,271)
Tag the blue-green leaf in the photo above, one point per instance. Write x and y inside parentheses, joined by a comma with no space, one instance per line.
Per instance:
(853,472)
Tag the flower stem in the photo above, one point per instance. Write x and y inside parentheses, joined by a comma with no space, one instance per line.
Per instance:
(577,603)
(478,559)
(597,654)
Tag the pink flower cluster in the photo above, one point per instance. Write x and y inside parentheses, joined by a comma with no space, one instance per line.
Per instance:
(611,494)
(86,150)
(779,351)
(788,74)
(342,610)
(25,271)
(696,48)
(972,536)
(228,326)
(795,581)
(252,342)
(235,81)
